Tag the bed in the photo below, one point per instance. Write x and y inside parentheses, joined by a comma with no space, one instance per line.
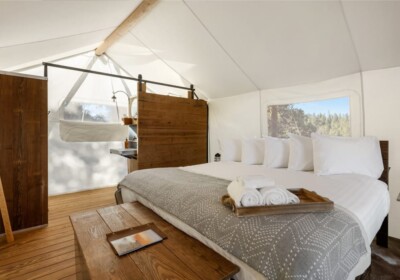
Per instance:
(333,245)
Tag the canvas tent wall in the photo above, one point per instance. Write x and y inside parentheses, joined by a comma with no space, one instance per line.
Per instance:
(249,53)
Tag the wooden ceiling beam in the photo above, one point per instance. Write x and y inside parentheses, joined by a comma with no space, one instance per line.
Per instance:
(126,25)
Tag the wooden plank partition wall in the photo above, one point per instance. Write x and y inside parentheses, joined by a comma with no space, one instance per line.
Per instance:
(172,131)
(23,148)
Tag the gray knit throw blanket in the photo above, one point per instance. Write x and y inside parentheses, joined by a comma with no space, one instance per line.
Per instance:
(296,246)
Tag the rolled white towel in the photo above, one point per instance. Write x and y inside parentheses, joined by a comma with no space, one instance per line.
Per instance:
(255,181)
(278,196)
(293,199)
(244,197)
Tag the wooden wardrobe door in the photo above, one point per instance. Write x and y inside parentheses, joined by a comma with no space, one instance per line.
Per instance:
(23,149)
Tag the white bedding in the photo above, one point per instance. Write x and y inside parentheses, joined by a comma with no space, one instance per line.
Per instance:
(367,199)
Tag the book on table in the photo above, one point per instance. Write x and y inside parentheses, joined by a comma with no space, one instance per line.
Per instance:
(133,239)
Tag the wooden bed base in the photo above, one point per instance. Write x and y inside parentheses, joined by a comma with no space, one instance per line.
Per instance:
(382,236)
(118,196)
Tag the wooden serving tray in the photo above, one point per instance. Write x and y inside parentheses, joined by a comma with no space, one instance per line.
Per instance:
(309,202)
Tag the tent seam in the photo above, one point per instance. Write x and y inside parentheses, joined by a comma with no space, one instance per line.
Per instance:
(56,38)
(222,48)
(359,67)
(362,103)
(52,61)
(117,65)
(351,35)
(260,113)
(169,66)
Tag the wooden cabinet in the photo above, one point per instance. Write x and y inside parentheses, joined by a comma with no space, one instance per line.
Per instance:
(23,148)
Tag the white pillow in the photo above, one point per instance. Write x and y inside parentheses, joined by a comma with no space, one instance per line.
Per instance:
(342,155)
(231,149)
(301,153)
(276,153)
(253,151)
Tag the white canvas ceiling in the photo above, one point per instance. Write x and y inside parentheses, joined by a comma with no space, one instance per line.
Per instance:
(224,48)
(375,28)
(282,43)
(32,31)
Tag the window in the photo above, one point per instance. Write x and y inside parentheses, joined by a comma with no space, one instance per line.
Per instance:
(329,117)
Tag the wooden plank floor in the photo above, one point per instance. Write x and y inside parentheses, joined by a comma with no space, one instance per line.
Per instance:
(49,253)
(386,262)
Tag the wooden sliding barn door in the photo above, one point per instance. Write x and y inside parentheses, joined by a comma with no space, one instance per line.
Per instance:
(23,149)
(172,131)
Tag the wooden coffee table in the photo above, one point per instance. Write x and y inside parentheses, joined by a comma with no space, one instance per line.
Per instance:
(177,257)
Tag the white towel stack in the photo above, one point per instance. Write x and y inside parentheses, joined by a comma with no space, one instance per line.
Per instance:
(242,196)
(255,181)
(278,196)
(258,190)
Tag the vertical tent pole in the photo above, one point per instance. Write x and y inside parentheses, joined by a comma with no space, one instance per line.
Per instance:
(139,89)
(191,92)
(45,71)
(141,86)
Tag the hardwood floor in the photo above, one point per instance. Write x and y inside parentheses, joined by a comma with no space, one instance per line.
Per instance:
(49,253)
(386,262)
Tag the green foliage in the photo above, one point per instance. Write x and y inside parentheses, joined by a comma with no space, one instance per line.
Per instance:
(293,120)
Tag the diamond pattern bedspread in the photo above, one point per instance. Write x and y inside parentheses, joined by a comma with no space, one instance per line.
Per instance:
(296,246)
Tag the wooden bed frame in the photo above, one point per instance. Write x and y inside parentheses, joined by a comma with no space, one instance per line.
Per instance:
(382,236)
